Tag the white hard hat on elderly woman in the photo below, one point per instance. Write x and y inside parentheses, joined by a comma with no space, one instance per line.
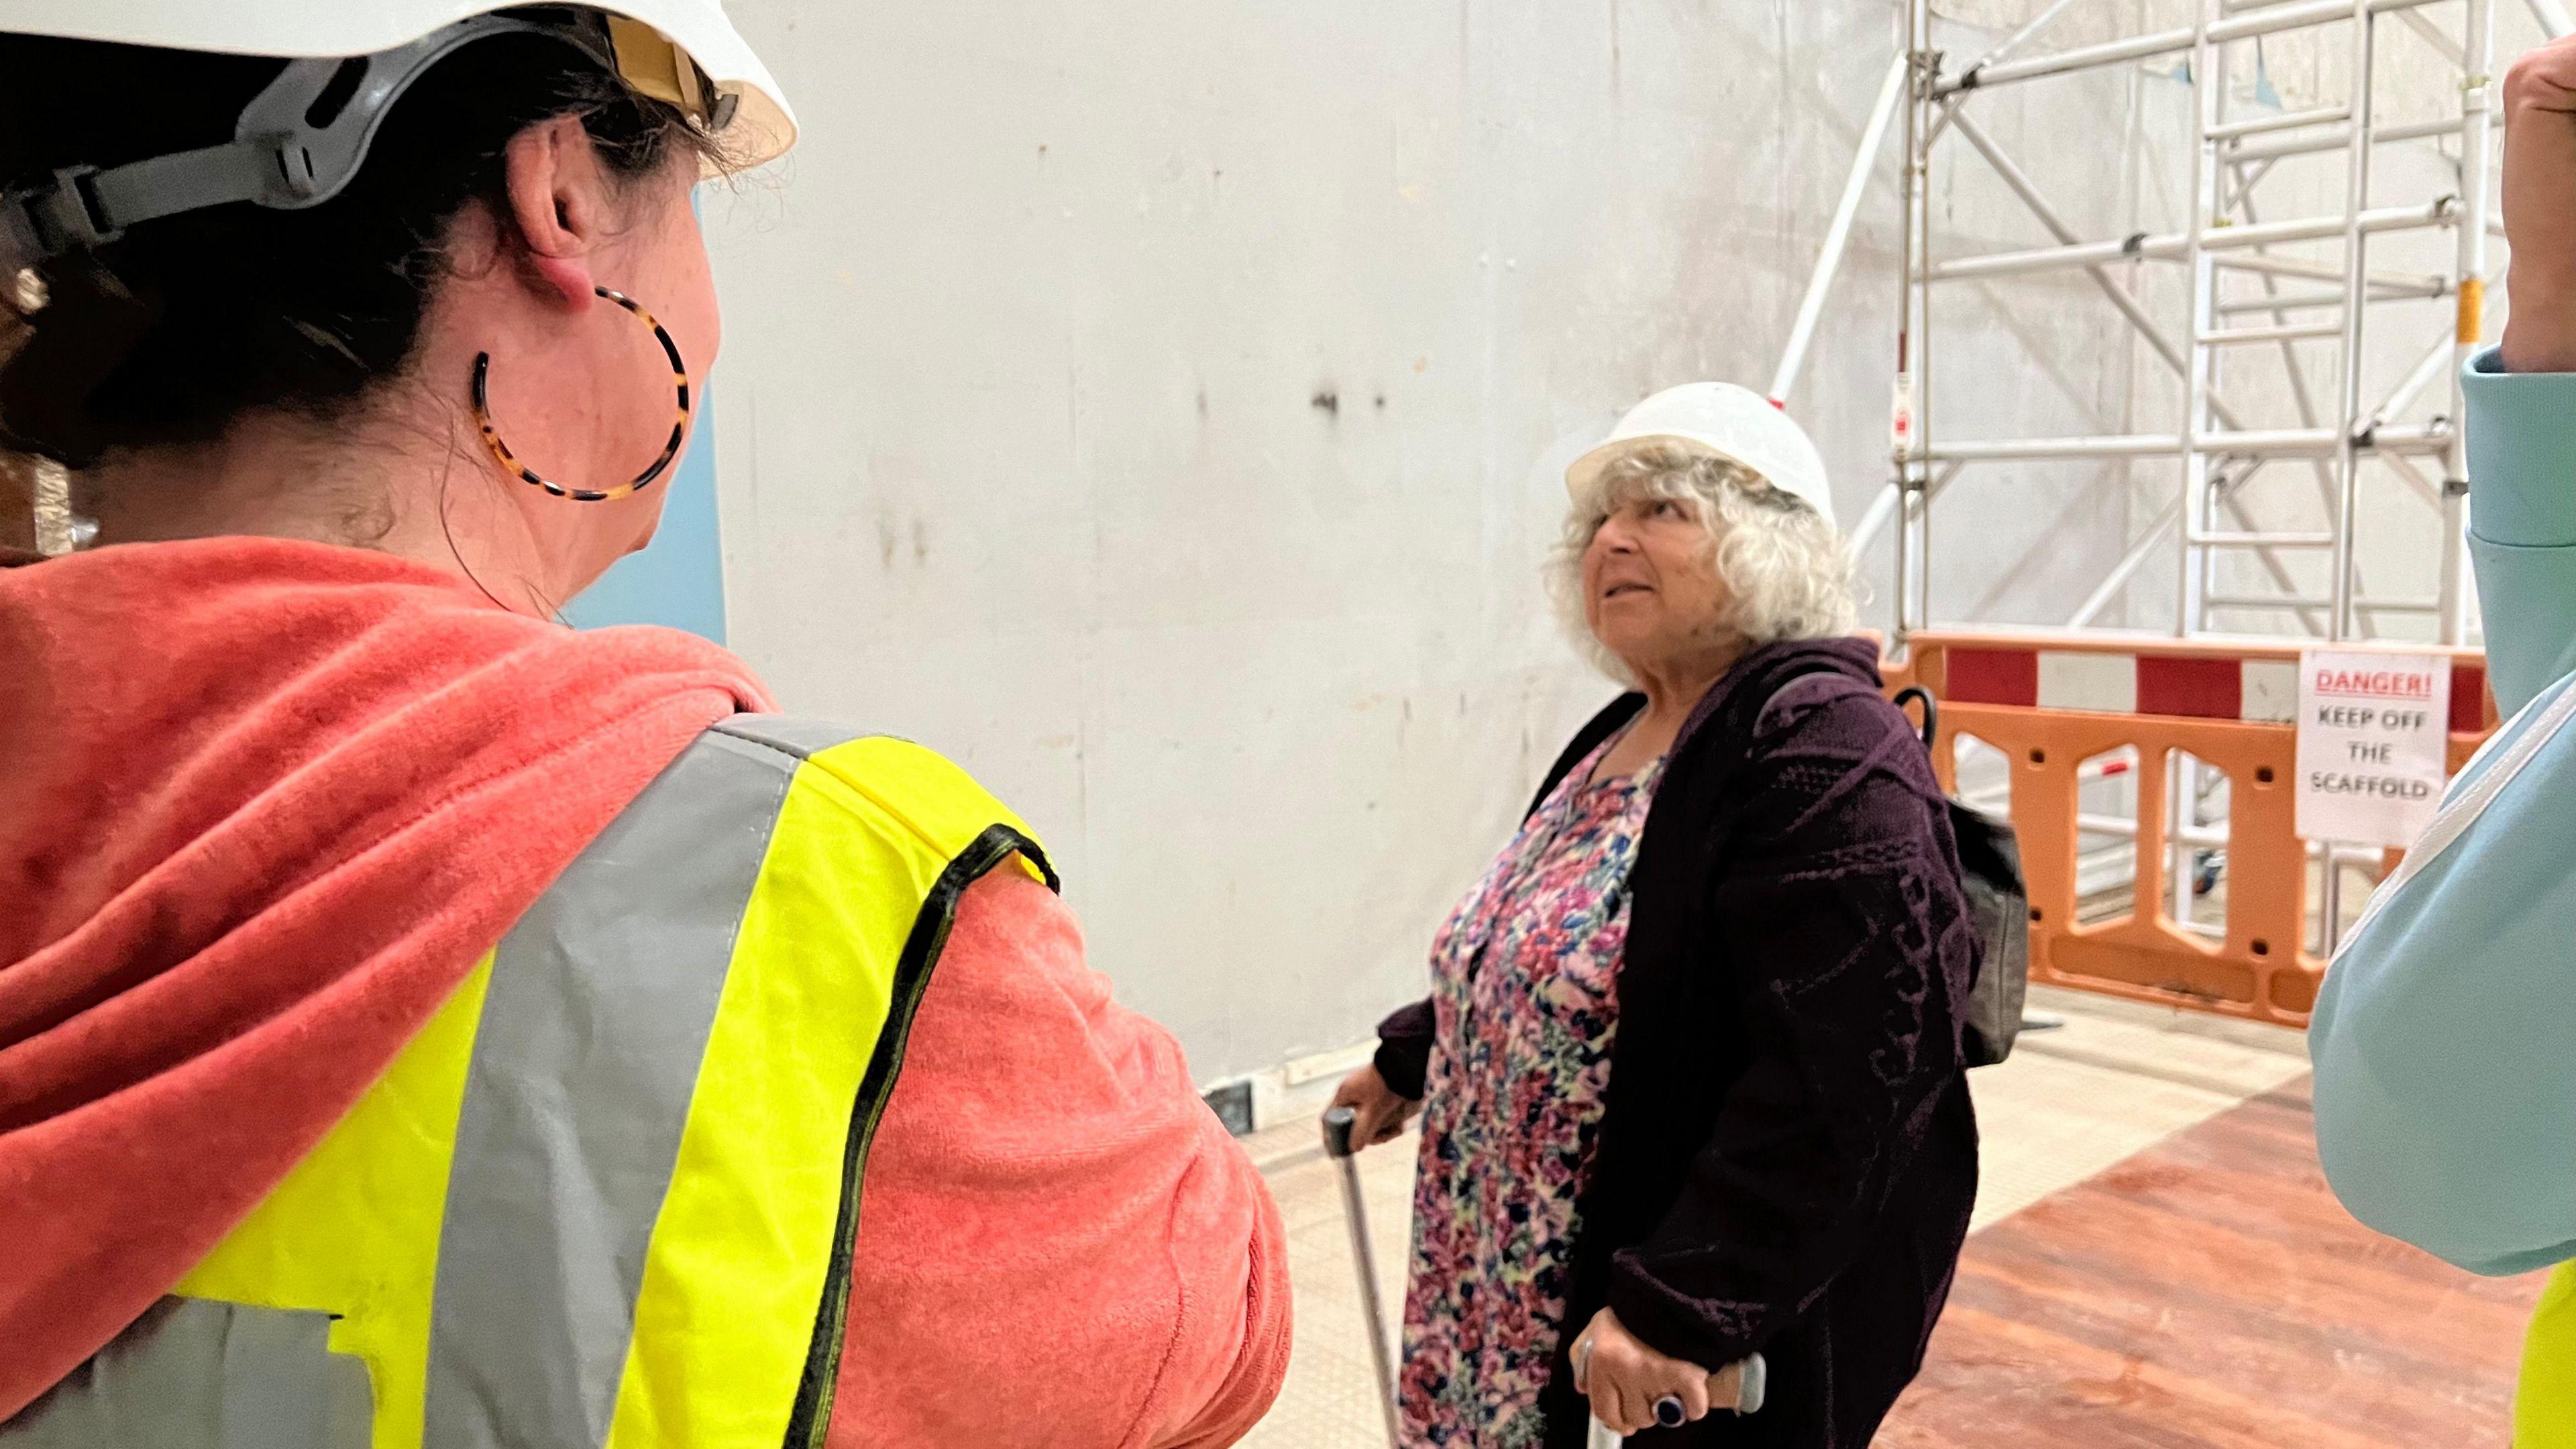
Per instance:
(1716,420)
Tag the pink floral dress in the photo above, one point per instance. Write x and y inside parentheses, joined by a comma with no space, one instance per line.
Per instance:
(1524,993)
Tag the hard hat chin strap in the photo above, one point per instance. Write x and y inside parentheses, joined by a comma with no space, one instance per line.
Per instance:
(292,148)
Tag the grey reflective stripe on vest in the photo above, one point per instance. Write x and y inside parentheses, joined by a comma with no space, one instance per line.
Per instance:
(195,1374)
(797,737)
(597,1017)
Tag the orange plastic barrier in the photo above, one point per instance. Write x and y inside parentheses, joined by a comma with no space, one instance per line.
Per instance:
(2051,702)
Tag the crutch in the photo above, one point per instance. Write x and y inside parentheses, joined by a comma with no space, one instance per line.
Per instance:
(1744,1382)
(1338,1146)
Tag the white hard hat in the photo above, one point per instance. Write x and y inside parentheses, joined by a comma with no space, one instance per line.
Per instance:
(682,51)
(1716,420)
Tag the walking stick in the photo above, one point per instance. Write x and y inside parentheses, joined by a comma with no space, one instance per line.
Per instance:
(1339,1147)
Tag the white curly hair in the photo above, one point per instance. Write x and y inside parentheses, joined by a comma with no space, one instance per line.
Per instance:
(1787,571)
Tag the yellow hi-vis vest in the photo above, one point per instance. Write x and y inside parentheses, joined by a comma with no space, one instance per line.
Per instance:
(2544,1409)
(608,1196)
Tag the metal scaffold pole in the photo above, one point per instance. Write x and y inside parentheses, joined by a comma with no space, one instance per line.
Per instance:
(2356,299)
(2199,214)
(1928,71)
(1829,261)
(2477,187)
(1906,421)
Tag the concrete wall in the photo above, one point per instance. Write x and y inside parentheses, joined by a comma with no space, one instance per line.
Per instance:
(1157,407)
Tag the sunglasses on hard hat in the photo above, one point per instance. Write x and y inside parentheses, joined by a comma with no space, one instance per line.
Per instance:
(656,66)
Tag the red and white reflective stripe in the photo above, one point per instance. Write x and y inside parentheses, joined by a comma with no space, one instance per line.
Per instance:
(2261,691)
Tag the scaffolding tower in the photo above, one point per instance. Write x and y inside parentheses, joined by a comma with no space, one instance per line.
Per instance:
(2225,240)
(2251,300)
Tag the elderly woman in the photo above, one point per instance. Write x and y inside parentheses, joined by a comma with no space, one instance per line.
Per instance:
(1692,1059)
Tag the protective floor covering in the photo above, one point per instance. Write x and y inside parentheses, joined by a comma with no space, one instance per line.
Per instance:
(2176,1228)
(2210,1292)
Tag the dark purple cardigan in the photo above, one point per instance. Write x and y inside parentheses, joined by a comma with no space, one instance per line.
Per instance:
(1787,1154)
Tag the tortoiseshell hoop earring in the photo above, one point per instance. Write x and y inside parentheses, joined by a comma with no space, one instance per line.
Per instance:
(509,461)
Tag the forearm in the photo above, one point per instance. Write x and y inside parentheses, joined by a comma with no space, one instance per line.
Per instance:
(2540,335)
(1763,1227)
(2539,201)
(1058,1243)
(1237,1376)
(1842,1093)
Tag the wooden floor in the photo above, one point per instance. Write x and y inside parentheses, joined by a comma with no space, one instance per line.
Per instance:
(2209,1293)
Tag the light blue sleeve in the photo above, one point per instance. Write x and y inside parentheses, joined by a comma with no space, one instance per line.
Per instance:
(2445,1037)
(2522,523)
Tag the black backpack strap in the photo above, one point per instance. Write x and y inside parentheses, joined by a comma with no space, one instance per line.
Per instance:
(1931,710)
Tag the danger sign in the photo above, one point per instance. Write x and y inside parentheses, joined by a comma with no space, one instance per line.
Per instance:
(2373,739)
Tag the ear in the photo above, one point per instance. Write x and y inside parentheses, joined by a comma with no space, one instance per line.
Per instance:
(559,204)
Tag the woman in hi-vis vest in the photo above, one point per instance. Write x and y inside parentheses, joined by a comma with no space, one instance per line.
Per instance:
(421,1024)
(2445,1037)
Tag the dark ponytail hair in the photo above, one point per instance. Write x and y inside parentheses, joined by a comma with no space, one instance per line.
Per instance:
(170,333)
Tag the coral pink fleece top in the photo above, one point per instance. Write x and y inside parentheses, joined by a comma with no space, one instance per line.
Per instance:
(263,805)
